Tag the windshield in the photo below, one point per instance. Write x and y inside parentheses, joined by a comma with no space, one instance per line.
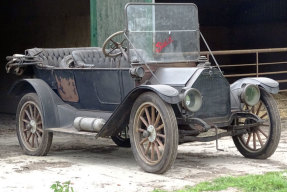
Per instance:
(162,32)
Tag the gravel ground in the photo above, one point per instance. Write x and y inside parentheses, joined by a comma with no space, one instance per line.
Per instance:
(99,165)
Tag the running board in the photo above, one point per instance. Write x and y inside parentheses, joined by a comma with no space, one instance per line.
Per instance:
(72,131)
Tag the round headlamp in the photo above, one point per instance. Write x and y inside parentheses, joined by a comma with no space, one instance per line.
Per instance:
(250,95)
(192,100)
(137,72)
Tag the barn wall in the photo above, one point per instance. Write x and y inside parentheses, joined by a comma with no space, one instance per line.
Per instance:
(107,18)
(31,23)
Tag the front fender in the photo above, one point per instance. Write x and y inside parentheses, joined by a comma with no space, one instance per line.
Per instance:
(48,99)
(121,115)
(269,85)
(166,92)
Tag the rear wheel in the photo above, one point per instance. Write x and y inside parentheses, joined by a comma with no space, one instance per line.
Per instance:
(122,139)
(153,133)
(261,142)
(33,138)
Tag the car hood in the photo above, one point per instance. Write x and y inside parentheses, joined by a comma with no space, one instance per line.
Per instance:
(175,77)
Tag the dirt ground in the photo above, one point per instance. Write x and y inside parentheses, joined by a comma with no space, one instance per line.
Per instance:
(99,165)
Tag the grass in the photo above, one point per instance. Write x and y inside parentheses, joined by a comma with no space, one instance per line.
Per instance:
(62,187)
(269,182)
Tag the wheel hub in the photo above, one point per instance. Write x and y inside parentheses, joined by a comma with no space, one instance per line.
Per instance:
(33,126)
(152,133)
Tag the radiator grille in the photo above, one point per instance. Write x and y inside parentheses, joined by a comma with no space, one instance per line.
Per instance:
(216,94)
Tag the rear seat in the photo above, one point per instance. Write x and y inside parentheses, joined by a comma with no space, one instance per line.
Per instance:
(79,57)
(96,59)
(58,57)
(92,58)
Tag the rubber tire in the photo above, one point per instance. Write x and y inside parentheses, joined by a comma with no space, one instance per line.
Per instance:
(275,131)
(121,142)
(47,136)
(171,142)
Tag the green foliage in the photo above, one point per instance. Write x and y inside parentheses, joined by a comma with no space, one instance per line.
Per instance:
(62,187)
(269,182)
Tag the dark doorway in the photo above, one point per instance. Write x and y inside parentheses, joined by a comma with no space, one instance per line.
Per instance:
(30,23)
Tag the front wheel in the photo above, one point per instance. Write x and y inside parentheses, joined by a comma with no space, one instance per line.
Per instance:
(261,142)
(33,138)
(153,133)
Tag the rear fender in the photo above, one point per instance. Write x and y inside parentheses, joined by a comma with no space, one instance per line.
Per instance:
(121,115)
(269,85)
(48,99)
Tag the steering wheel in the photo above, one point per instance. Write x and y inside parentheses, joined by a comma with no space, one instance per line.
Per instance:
(115,45)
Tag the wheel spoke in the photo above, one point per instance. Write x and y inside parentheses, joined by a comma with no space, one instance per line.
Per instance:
(152,115)
(35,111)
(259,107)
(159,142)
(37,141)
(254,141)
(161,135)
(157,151)
(264,115)
(146,150)
(140,130)
(38,116)
(28,115)
(40,130)
(33,138)
(147,116)
(28,138)
(144,121)
(259,138)
(248,139)
(157,120)
(26,121)
(159,127)
(247,108)
(143,140)
(31,111)
(38,135)
(260,130)
(152,151)
(253,109)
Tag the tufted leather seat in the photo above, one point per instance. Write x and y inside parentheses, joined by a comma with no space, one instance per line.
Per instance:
(92,58)
(96,59)
(53,57)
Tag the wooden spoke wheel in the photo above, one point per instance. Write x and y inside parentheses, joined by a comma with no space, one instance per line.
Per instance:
(261,141)
(122,139)
(154,133)
(32,137)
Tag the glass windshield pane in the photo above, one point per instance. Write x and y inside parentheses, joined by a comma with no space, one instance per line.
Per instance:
(163,32)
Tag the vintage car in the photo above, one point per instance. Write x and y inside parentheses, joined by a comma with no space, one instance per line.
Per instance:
(147,87)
